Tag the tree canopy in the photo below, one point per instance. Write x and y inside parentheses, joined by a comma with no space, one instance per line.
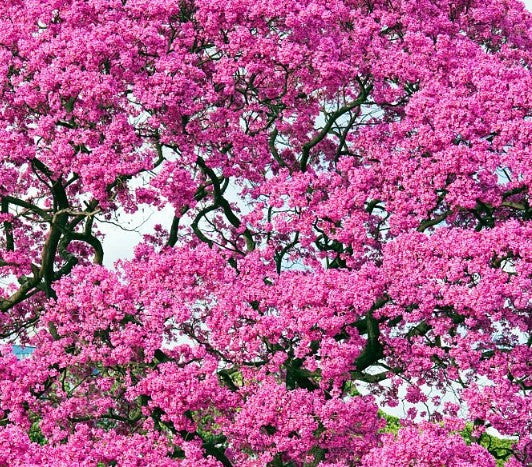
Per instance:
(350,181)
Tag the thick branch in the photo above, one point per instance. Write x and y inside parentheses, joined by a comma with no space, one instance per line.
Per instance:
(330,122)
(224,204)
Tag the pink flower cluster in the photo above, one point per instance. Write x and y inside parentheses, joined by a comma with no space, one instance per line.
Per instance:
(350,183)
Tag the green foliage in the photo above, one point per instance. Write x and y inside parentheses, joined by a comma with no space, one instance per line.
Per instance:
(392,423)
(35,433)
(499,448)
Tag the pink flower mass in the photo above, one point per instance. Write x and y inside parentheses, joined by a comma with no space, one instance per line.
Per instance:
(350,182)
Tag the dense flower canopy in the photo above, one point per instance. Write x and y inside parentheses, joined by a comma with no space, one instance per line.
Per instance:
(350,181)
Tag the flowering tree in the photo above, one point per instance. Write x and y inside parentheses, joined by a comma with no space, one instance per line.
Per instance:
(350,180)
